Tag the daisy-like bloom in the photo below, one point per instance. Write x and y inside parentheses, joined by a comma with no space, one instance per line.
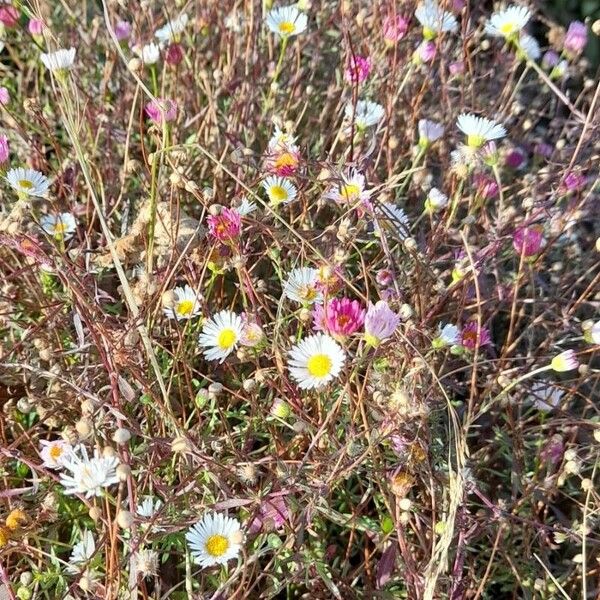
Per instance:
(394,29)
(215,539)
(82,552)
(61,226)
(528,47)
(449,335)
(148,507)
(340,317)
(226,226)
(186,304)
(161,109)
(479,130)
(565,361)
(434,19)
(351,189)
(221,334)
(286,21)
(283,156)
(172,30)
(429,132)
(435,201)
(395,216)
(27,182)
(150,53)
(279,190)
(508,23)
(146,562)
(245,207)
(315,361)
(380,323)
(302,286)
(591,334)
(252,335)
(88,476)
(53,453)
(357,69)
(364,114)
(529,240)
(545,397)
(576,38)
(472,336)
(59,61)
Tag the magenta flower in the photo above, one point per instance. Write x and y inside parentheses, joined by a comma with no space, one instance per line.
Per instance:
(394,28)
(161,108)
(574,181)
(283,160)
(4,96)
(123,30)
(425,52)
(486,186)
(225,226)
(384,277)
(529,240)
(174,54)
(35,26)
(340,317)
(9,16)
(472,337)
(358,69)
(380,323)
(576,37)
(515,159)
(4,150)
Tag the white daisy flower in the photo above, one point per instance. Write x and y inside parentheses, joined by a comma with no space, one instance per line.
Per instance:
(88,476)
(172,30)
(545,397)
(61,60)
(528,47)
(479,130)
(393,215)
(315,361)
(221,334)
(434,19)
(435,200)
(591,334)
(149,54)
(286,21)
(186,304)
(215,539)
(429,132)
(509,22)
(365,114)
(61,226)
(279,190)
(148,507)
(281,139)
(245,207)
(27,182)
(53,453)
(449,335)
(301,286)
(351,190)
(82,552)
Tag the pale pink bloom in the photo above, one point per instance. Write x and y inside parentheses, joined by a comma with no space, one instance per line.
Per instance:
(4,150)
(425,51)
(35,26)
(380,322)
(394,28)
(252,334)
(339,317)
(473,337)
(529,240)
(122,30)
(168,112)
(576,37)
(457,67)
(4,96)
(384,277)
(486,186)
(550,59)
(565,361)
(357,69)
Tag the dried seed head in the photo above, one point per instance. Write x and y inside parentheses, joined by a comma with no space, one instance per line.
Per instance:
(124,519)
(121,436)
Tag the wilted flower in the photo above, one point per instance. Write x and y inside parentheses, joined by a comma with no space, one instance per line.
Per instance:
(340,317)
(576,38)
(394,28)
(472,336)
(161,109)
(252,334)
(88,476)
(315,361)
(487,187)
(380,323)
(283,156)
(215,539)
(286,21)
(384,277)
(357,69)
(174,54)
(272,515)
(146,562)
(529,240)
(434,19)
(565,361)
(226,226)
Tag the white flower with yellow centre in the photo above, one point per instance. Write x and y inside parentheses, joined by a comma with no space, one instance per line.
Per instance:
(186,304)
(508,23)
(315,361)
(221,334)
(27,182)
(61,60)
(53,453)
(60,226)
(434,19)
(286,21)
(479,130)
(301,286)
(215,540)
(351,189)
(279,190)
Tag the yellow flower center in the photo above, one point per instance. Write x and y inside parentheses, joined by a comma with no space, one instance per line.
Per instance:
(349,191)
(55,452)
(428,33)
(217,545)
(185,307)
(278,193)
(287,27)
(319,365)
(508,28)
(287,159)
(475,141)
(372,340)
(226,339)
(59,228)
(25,184)
(308,293)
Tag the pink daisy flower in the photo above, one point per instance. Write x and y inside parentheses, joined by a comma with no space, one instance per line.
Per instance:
(225,226)
(340,317)
(161,108)
(529,240)
(472,337)
(357,69)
